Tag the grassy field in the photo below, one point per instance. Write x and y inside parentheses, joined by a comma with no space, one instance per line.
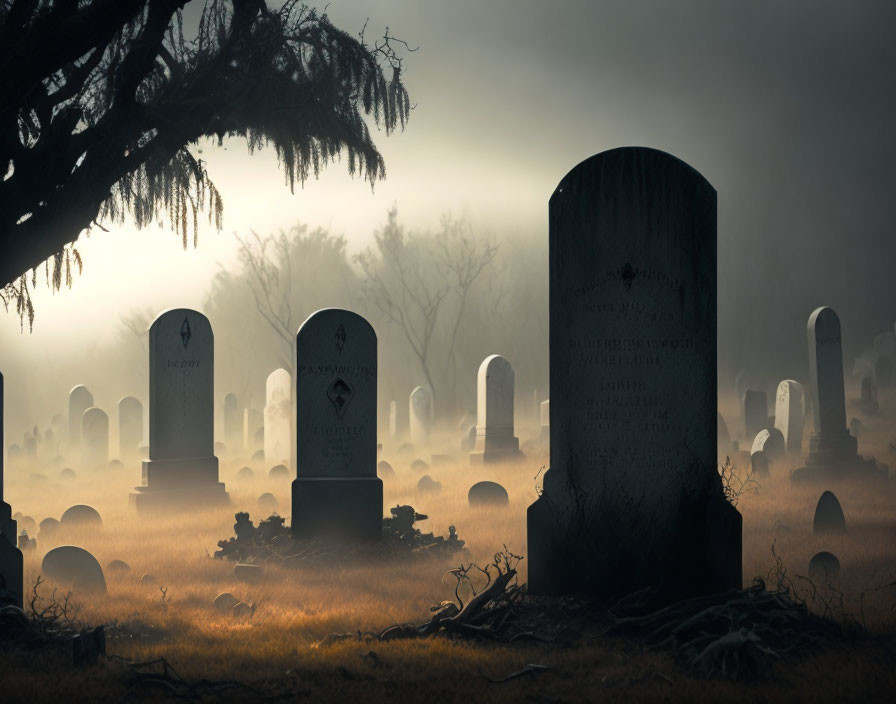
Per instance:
(276,649)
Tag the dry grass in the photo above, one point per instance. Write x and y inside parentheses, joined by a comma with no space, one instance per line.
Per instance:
(298,607)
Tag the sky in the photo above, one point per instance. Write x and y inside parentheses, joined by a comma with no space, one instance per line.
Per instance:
(787,108)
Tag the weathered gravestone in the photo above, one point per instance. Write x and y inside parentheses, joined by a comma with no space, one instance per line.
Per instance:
(73,566)
(11,567)
(253,421)
(337,491)
(420,413)
(182,468)
(759,463)
(94,438)
(789,401)
(771,442)
(633,496)
(823,568)
(832,450)
(278,417)
(233,423)
(755,412)
(81,516)
(829,516)
(79,400)
(130,428)
(495,441)
(487,494)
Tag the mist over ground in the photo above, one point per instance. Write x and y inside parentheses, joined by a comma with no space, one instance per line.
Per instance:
(787,109)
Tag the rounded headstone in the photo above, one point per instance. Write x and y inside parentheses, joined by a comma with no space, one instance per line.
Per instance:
(419,466)
(67,474)
(258,456)
(245,474)
(428,485)
(225,601)
(829,516)
(74,566)
(771,442)
(384,470)
(81,516)
(824,567)
(487,494)
(118,566)
(27,523)
(147,578)
(268,502)
(759,464)
(48,528)
(279,471)
(247,573)
(241,610)
(405,450)
(116,464)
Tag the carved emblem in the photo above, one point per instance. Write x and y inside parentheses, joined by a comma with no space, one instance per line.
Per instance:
(628,275)
(340,395)
(185,333)
(340,338)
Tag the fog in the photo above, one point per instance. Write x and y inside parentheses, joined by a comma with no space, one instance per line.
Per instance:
(786,108)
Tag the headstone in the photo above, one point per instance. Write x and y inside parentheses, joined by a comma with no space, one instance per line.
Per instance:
(225,602)
(130,428)
(278,417)
(789,414)
(245,474)
(11,563)
(278,472)
(81,516)
(633,497)
(48,529)
(393,421)
(384,470)
(487,494)
(67,474)
(79,400)
(823,568)
(771,442)
(73,566)
(421,415)
(544,423)
(495,441)
(268,503)
(755,412)
(253,421)
(829,516)
(94,438)
(883,372)
(759,464)
(832,450)
(336,491)
(419,465)
(428,485)
(118,566)
(233,423)
(182,468)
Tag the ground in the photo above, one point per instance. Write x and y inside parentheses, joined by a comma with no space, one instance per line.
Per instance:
(276,650)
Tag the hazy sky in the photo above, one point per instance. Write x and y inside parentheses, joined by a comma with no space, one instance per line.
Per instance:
(788,108)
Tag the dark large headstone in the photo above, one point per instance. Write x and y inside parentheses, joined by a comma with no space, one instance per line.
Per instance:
(336,491)
(829,516)
(633,497)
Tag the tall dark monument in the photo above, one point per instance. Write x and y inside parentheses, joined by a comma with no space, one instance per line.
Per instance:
(633,497)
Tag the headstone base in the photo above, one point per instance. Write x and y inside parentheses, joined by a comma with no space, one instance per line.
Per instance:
(703,555)
(151,500)
(343,508)
(176,484)
(489,449)
(834,457)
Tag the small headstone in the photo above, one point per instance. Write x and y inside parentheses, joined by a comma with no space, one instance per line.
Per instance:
(48,529)
(26,543)
(242,610)
(94,438)
(258,456)
(250,574)
(79,400)
(28,523)
(419,465)
(67,475)
(118,567)
(421,415)
(74,566)
(829,516)
(182,469)
(759,464)
(245,474)
(278,417)
(405,450)
(789,401)
(81,516)
(278,472)
(225,602)
(487,494)
(824,567)
(495,441)
(428,485)
(771,442)
(130,428)
(148,578)
(384,470)
(268,503)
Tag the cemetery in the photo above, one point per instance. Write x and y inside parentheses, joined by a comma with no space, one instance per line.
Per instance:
(588,461)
